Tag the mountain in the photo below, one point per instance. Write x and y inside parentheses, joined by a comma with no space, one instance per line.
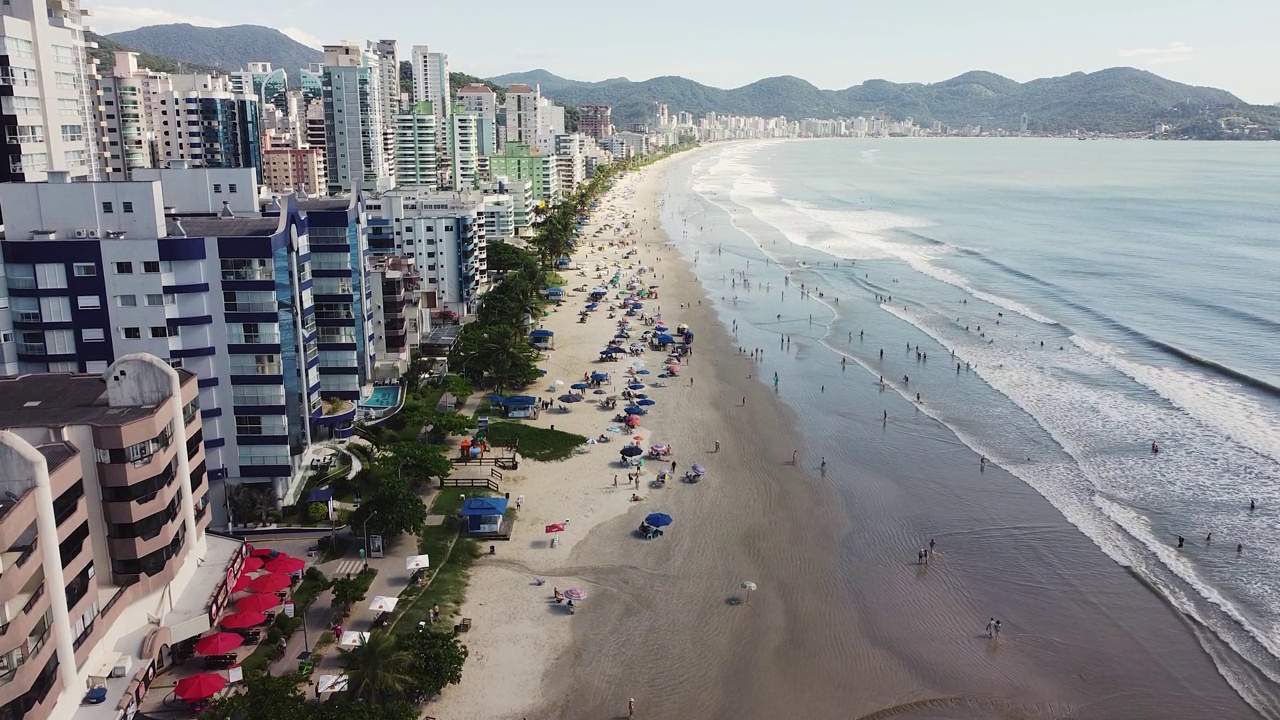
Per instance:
(107,48)
(229,48)
(1113,100)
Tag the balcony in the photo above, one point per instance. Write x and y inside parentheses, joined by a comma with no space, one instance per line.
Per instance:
(30,348)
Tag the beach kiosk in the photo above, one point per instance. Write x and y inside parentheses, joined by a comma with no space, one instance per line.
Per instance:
(483,515)
(542,339)
(516,406)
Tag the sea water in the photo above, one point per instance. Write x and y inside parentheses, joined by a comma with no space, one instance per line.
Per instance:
(1096,297)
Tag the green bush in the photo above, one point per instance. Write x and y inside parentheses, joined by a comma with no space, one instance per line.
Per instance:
(317,512)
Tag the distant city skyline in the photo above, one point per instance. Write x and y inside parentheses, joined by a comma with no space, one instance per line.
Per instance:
(729,44)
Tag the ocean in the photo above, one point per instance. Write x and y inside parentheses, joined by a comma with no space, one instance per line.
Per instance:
(1059,306)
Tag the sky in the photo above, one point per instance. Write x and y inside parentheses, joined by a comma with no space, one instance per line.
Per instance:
(729,43)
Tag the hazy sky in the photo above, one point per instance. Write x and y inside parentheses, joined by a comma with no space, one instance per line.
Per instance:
(728,43)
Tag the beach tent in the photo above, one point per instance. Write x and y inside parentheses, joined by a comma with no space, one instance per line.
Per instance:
(483,514)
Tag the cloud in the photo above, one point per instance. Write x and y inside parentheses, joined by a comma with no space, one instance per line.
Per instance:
(109,19)
(304,37)
(1176,52)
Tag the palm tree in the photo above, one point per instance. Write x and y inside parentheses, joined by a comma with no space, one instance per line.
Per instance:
(378,670)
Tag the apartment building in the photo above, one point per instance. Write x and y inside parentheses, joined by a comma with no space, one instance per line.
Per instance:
(443,235)
(398,325)
(295,169)
(482,102)
(520,194)
(518,161)
(185,265)
(260,81)
(355,100)
(106,562)
(524,108)
(431,80)
(595,121)
(47,105)
(464,148)
(417,140)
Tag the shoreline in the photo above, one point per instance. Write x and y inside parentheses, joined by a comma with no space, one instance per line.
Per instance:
(837,628)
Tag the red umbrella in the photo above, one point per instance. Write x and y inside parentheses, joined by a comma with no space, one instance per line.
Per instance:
(252,564)
(219,643)
(243,620)
(199,687)
(286,564)
(267,553)
(555,527)
(269,583)
(258,602)
(241,583)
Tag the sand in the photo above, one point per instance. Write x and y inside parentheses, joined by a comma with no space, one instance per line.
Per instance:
(844,625)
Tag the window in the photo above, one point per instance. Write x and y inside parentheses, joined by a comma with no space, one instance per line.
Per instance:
(159,331)
(249,301)
(25,309)
(51,276)
(64,54)
(60,342)
(123,268)
(252,333)
(127,300)
(264,455)
(21,277)
(93,335)
(126,206)
(217,187)
(69,106)
(73,133)
(231,187)
(84,270)
(88,302)
(65,81)
(108,208)
(255,365)
(55,309)
(20,105)
(21,134)
(95,366)
(260,425)
(17,47)
(131,333)
(257,394)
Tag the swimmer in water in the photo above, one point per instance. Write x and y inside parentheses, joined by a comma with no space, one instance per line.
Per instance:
(1154,448)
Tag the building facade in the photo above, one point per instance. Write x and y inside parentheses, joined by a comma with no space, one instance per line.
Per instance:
(431,80)
(354,102)
(107,562)
(518,161)
(47,109)
(595,121)
(417,140)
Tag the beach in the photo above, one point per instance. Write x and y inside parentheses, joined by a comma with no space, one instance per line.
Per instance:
(845,622)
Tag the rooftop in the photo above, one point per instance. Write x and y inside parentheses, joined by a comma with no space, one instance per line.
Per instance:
(328,203)
(55,454)
(519,88)
(230,227)
(477,89)
(61,399)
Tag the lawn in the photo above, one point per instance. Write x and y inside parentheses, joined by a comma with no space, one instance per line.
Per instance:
(537,443)
(451,558)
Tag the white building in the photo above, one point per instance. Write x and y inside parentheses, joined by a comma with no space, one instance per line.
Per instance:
(520,193)
(483,102)
(354,105)
(48,103)
(464,148)
(524,109)
(443,235)
(431,80)
(417,141)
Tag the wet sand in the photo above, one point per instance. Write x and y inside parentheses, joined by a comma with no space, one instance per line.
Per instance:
(845,624)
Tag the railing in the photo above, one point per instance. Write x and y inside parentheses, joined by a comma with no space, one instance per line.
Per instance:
(469,483)
(31,348)
(35,598)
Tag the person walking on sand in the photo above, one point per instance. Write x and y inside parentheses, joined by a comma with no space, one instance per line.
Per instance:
(673,467)
(932,544)
(615,480)
(717,446)
(920,556)
(997,628)
(793,456)
(631,708)
(744,401)
(991,628)
(824,464)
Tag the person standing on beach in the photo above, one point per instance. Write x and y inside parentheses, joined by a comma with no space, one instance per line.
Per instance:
(717,446)
(991,628)
(997,628)
(793,456)
(631,708)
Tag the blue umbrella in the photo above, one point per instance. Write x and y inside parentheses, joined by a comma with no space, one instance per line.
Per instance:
(637,306)
(666,339)
(636,386)
(633,410)
(632,451)
(642,372)
(599,376)
(658,519)
(579,386)
(647,402)
(639,396)
(621,336)
(610,351)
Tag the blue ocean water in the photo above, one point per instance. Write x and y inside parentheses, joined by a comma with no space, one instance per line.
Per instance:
(1077,301)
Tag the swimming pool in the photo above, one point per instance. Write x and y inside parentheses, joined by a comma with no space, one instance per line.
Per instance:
(383,396)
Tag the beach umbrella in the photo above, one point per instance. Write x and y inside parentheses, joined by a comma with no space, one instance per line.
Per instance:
(621,336)
(638,306)
(269,583)
(637,438)
(267,553)
(646,402)
(575,594)
(579,386)
(599,376)
(241,583)
(640,396)
(219,643)
(382,603)
(636,386)
(240,620)
(570,398)
(257,602)
(660,447)
(199,687)
(417,562)
(631,452)
(665,339)
(558,382)
(555,528)
(633,420)
(352,639)
(642,372)
(698,469)
(286,564)
(252,564)
(657,519)
(748,586)
(633,410)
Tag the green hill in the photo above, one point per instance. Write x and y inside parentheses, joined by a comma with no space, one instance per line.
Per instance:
(230,48)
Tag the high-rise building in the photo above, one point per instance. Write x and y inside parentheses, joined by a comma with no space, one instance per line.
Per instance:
(464,148)
(354,103)
(483,102)
(431,80)
(260,81)
(185,265)
(389,96)
(443,234)
(518,161)
(524,108)
(417,138)
(107,562)
(595,121)
(521,194)
(398,325)
(47,107)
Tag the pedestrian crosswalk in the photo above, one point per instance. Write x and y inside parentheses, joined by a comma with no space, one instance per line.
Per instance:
(348,567)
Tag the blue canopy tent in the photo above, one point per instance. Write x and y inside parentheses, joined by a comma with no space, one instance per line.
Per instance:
(555,293)
(665,339)
(482,515)
(543,339)
(516,406)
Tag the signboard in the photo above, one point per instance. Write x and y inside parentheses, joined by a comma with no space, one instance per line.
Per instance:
(288,608)
(235,673)
(375,546)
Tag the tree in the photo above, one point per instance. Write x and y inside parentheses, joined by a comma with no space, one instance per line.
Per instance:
(501,353)
(416,462)
(504,257)
(378,671)
(251,504)
(391,508)
(266,697)
(347,592)
(436,660)
(444,424)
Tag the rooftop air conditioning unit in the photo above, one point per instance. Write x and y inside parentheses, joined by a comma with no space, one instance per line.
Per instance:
(82,234)
(93,233)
